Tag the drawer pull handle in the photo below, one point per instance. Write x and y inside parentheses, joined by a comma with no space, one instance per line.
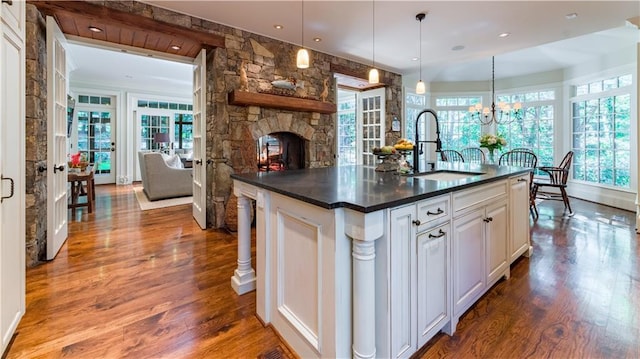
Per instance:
(440,234)
(488,219)
(416,222)
(522,180)
(439,211)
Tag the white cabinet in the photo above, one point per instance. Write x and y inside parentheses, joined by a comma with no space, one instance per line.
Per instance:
(480,228)
(520,235)
(402,305)
(12,168)
(433,277)
(13,16)
(468,259)
(415,260)
(496,238)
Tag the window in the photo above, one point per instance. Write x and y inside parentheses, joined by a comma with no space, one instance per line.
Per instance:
(458,129)
(165,105)
(535,129)
(150,125)
(158,116)
(183,130)
(413,105)
(601,121)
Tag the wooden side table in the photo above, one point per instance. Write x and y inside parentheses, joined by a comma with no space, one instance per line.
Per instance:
(82,184)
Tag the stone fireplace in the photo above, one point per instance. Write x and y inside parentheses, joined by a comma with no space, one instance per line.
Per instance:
(280,151)
(305,141)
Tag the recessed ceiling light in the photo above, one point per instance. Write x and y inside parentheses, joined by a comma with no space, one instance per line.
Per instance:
(571,16)
(175,47)
(95,29)
(317,39)
(279,27)
(504,34)
(458,48)
(415,58)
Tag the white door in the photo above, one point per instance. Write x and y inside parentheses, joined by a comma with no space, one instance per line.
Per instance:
(12,169)
(371,124)
(199,140)
(56,138)
(96,138)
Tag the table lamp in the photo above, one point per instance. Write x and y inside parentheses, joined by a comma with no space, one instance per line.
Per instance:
(161,138)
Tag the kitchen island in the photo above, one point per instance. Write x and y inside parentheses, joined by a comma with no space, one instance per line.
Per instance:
(354,262)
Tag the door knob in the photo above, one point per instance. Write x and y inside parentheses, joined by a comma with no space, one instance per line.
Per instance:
(198,162)
(58,168)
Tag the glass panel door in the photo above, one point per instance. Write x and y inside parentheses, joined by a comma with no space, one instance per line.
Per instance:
(96,142)
(372,124)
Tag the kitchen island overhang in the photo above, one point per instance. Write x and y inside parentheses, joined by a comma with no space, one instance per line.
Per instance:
(316,233)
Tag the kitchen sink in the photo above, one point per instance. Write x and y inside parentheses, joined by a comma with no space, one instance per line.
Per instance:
(446,175)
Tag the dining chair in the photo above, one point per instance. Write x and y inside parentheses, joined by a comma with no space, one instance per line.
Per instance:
(473,155)
(523,158)
(558,177)
(451,156)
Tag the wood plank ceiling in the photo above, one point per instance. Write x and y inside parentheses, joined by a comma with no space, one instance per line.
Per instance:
(76,18)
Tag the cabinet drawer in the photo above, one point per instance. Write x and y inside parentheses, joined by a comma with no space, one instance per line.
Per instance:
(466,199)
(433,211)
(522,178)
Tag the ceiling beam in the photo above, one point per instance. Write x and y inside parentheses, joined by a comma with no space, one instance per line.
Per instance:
(126,20)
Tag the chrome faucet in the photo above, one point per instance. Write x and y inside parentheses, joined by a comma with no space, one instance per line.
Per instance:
(417,145)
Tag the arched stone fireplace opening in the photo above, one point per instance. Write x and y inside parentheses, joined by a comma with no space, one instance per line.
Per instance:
(280,151)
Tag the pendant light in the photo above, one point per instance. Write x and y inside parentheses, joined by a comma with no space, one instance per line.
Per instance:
(505,113)
(420,88)
(302,60)
(374,77)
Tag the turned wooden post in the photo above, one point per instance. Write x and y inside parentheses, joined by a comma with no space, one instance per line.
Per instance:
(364,230)
(244,277)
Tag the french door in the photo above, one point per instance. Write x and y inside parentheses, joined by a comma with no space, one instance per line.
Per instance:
(96,139)
(361,126)
(56,138)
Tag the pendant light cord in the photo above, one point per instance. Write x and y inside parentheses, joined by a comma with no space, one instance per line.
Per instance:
(493,79)
(373,28)
(302,40)
(420,18)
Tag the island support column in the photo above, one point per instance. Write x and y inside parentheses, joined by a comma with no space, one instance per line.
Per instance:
(364,229)
(244,277)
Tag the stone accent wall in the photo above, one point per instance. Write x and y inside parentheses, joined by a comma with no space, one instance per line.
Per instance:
(36,137)
(232,130)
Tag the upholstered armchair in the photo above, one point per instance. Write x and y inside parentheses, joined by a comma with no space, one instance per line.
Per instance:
(161,181)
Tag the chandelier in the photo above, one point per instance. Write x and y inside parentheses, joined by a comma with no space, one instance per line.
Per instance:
(503,114)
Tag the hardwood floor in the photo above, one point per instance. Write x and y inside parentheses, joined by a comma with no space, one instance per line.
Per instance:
(578,296)
(133,284)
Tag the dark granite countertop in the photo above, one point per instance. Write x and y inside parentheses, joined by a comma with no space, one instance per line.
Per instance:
(365,190)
